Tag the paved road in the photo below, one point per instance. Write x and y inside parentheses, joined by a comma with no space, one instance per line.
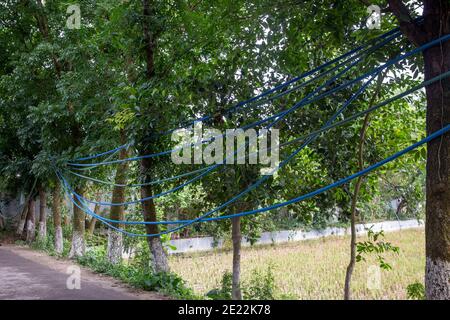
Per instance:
(26,275)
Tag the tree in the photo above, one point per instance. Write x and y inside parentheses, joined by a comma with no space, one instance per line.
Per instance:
(138,68)
(115,246)
(160,262)
(76,99)
(30,222)
(42,231)
(436,14)
(357,189)
(38,15)
(56,212)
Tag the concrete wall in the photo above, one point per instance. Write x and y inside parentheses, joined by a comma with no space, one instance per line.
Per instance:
(12,207)
(207,243)
(9,206)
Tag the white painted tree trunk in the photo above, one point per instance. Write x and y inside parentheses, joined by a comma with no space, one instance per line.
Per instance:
(20,226)
(59,244)
(159,261)
(23,215)
(30,231)
(42,230)
(437,279)
(56,210)
(30,225)
(42,234)
(78,228)
(236,236)
(78,246)
(115,246)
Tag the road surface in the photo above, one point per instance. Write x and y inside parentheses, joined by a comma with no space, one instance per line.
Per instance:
(27,274)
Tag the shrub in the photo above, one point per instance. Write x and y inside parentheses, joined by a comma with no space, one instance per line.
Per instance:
(170,283)
(45,244)
(261,286)
(415,291)
(137,275)
(224,292)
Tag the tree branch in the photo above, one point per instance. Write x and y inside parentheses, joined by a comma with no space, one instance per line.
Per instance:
(42,22)
(408,26)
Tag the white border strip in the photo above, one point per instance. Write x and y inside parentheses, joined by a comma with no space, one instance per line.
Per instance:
(208,243)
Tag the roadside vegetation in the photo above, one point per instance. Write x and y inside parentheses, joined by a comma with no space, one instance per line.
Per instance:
(89,94)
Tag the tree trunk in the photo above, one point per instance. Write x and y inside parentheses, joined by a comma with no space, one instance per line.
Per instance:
(78,225)
(97,211)
(93,221)
(358,184)
(56,210)
(436,23)
(23,218)
(30,225)
(159,261)
(42,215)
(236,237)
(115,247)
(23,215)
(351,265)
(437,227)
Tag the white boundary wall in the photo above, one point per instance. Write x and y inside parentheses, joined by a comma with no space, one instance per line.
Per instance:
(208,243)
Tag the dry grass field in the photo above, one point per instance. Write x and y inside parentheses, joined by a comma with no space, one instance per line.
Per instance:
(313,269)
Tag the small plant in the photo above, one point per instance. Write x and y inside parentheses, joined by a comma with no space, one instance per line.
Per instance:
(415,291)
(93,240)
(374,246)
(44,244)
(170,283)
(261,286)
(224,292)
(20,243)
(165,240)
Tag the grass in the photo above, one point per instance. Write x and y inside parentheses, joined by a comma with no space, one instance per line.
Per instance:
(313,269)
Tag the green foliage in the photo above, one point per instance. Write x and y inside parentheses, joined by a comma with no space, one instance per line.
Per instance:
(374,246)
(416,291)
(224,291)
(20,243)
(208,57)
(66,247)
(93,240)
(136,275)
(46,244)
(169,283)
(260,286)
